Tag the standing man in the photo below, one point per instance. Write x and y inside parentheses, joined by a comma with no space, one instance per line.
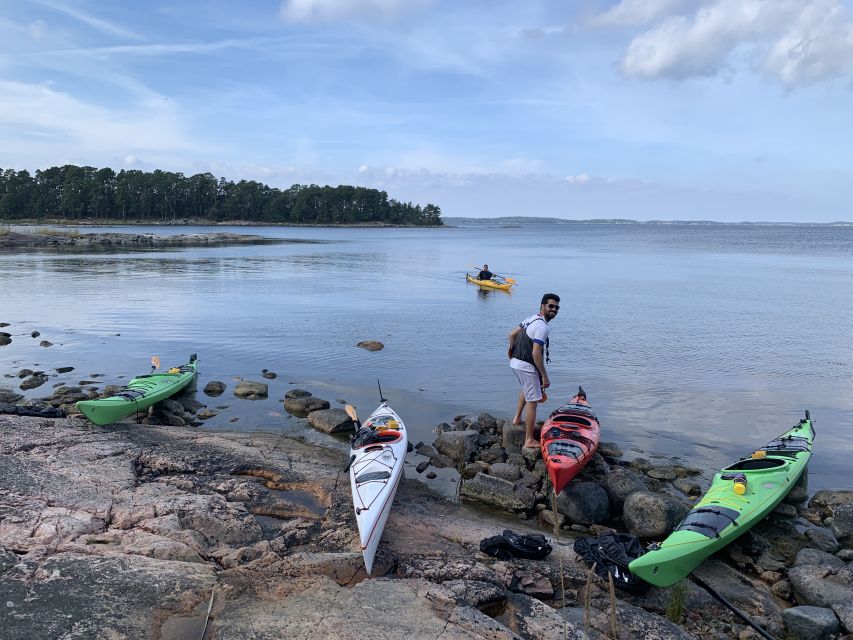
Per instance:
(527,342)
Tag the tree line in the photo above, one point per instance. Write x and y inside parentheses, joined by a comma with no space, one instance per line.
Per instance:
(89,194)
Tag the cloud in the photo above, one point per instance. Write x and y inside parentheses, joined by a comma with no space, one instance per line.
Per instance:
(96,23)
(796,41)
(637,12)
(330,10)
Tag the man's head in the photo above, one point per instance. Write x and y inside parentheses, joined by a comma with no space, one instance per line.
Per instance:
(485,267)
(550,306)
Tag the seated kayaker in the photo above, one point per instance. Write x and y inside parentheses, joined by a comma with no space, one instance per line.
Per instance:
(485,274)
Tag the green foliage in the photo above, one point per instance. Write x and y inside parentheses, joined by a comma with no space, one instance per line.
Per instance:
(88,194)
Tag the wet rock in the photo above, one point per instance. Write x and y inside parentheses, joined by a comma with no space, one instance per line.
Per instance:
(297,393)
(5,338)
(425,450)
(33,381)
(423,465)
(251,390)
(473,468)
(821,586)
(432,475)
(64,369)
(687,486)
(214,388)
(810,623)
(305,405)
(23,373)
(584,503)
(457,445)
(797,495)
(610,450)
(652,515)
(846,555)
(35,334)
(786,510)
(666,472)
(842,524)
(9,397)
(498,492)
(641,464)
(370,345)
(619,483)
(207,414)
(331,420)
(45,343)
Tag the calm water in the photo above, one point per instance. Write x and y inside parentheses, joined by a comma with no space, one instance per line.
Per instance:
(701,342)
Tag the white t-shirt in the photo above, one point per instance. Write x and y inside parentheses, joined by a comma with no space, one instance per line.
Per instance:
(537,331)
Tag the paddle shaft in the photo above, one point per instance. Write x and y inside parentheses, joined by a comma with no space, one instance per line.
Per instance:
(730,606)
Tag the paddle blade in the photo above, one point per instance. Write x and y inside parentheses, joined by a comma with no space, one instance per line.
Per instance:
(510,280)
(351,412)
(155,362)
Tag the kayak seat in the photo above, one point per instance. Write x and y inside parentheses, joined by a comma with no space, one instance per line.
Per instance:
(563,448)
(571,420)
(754,465)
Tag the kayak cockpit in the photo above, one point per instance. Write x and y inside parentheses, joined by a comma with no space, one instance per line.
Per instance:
(756,464)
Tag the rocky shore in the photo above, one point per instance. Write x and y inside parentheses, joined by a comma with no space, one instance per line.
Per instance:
(75,240)
(156,530)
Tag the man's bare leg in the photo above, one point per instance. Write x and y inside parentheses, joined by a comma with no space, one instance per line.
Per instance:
(529,424)
(516,419)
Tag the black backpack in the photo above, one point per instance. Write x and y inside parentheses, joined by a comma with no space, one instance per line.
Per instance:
(611,553)
(515,545)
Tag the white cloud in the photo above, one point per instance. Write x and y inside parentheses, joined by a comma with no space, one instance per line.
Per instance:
(637,12)
(797,41)
(98,24)
(328,10)
(578,179)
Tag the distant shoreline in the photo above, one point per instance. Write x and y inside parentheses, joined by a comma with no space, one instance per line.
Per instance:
(521,220)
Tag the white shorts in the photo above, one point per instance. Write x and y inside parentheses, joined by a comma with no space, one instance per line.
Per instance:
(530,384)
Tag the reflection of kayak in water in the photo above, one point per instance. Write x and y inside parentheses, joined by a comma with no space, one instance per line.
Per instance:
(569,439)
(740,495)
(491,284)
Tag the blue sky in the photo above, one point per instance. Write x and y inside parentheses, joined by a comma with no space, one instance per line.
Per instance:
(646,109)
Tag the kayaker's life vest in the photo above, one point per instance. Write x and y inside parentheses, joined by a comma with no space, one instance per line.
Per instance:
(522,348)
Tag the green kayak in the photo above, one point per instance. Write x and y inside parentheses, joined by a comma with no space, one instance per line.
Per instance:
(139,394)
(740,495)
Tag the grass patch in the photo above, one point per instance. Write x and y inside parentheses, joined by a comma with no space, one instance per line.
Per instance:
(677,600)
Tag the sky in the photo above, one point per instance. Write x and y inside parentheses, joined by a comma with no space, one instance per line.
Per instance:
(729,110)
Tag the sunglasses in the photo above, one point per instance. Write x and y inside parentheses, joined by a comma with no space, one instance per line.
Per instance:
(555,307)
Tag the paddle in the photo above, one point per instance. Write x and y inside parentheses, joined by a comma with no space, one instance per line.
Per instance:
(155,363)
(495,275)
(352,414)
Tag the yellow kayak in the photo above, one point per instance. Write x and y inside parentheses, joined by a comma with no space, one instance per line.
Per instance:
(503,286)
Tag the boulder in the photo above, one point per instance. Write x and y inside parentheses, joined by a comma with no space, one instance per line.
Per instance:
(610,450)
(810,623)
(251,390)
(305,405)
(370,345)
(457,445)
(822,539)
(9,396)
(844,611)
(493,454)
(513,435)
(214,388)
(822,585)
(506,471)
(498,492)
(807,556)
(652,515)
(826,499)
(33,381)
(842,524)
(331,420)
(487,422)
(45,343)
(619,483)
(297,393)
(584,503)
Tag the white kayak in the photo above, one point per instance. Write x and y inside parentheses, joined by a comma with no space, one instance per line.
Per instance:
(378,452)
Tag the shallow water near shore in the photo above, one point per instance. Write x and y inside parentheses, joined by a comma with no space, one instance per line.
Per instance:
(702,342)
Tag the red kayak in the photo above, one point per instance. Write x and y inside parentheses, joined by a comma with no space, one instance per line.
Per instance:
(569,439)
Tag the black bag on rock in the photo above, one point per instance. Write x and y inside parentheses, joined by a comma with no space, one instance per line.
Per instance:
(611,553)
(515,545)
